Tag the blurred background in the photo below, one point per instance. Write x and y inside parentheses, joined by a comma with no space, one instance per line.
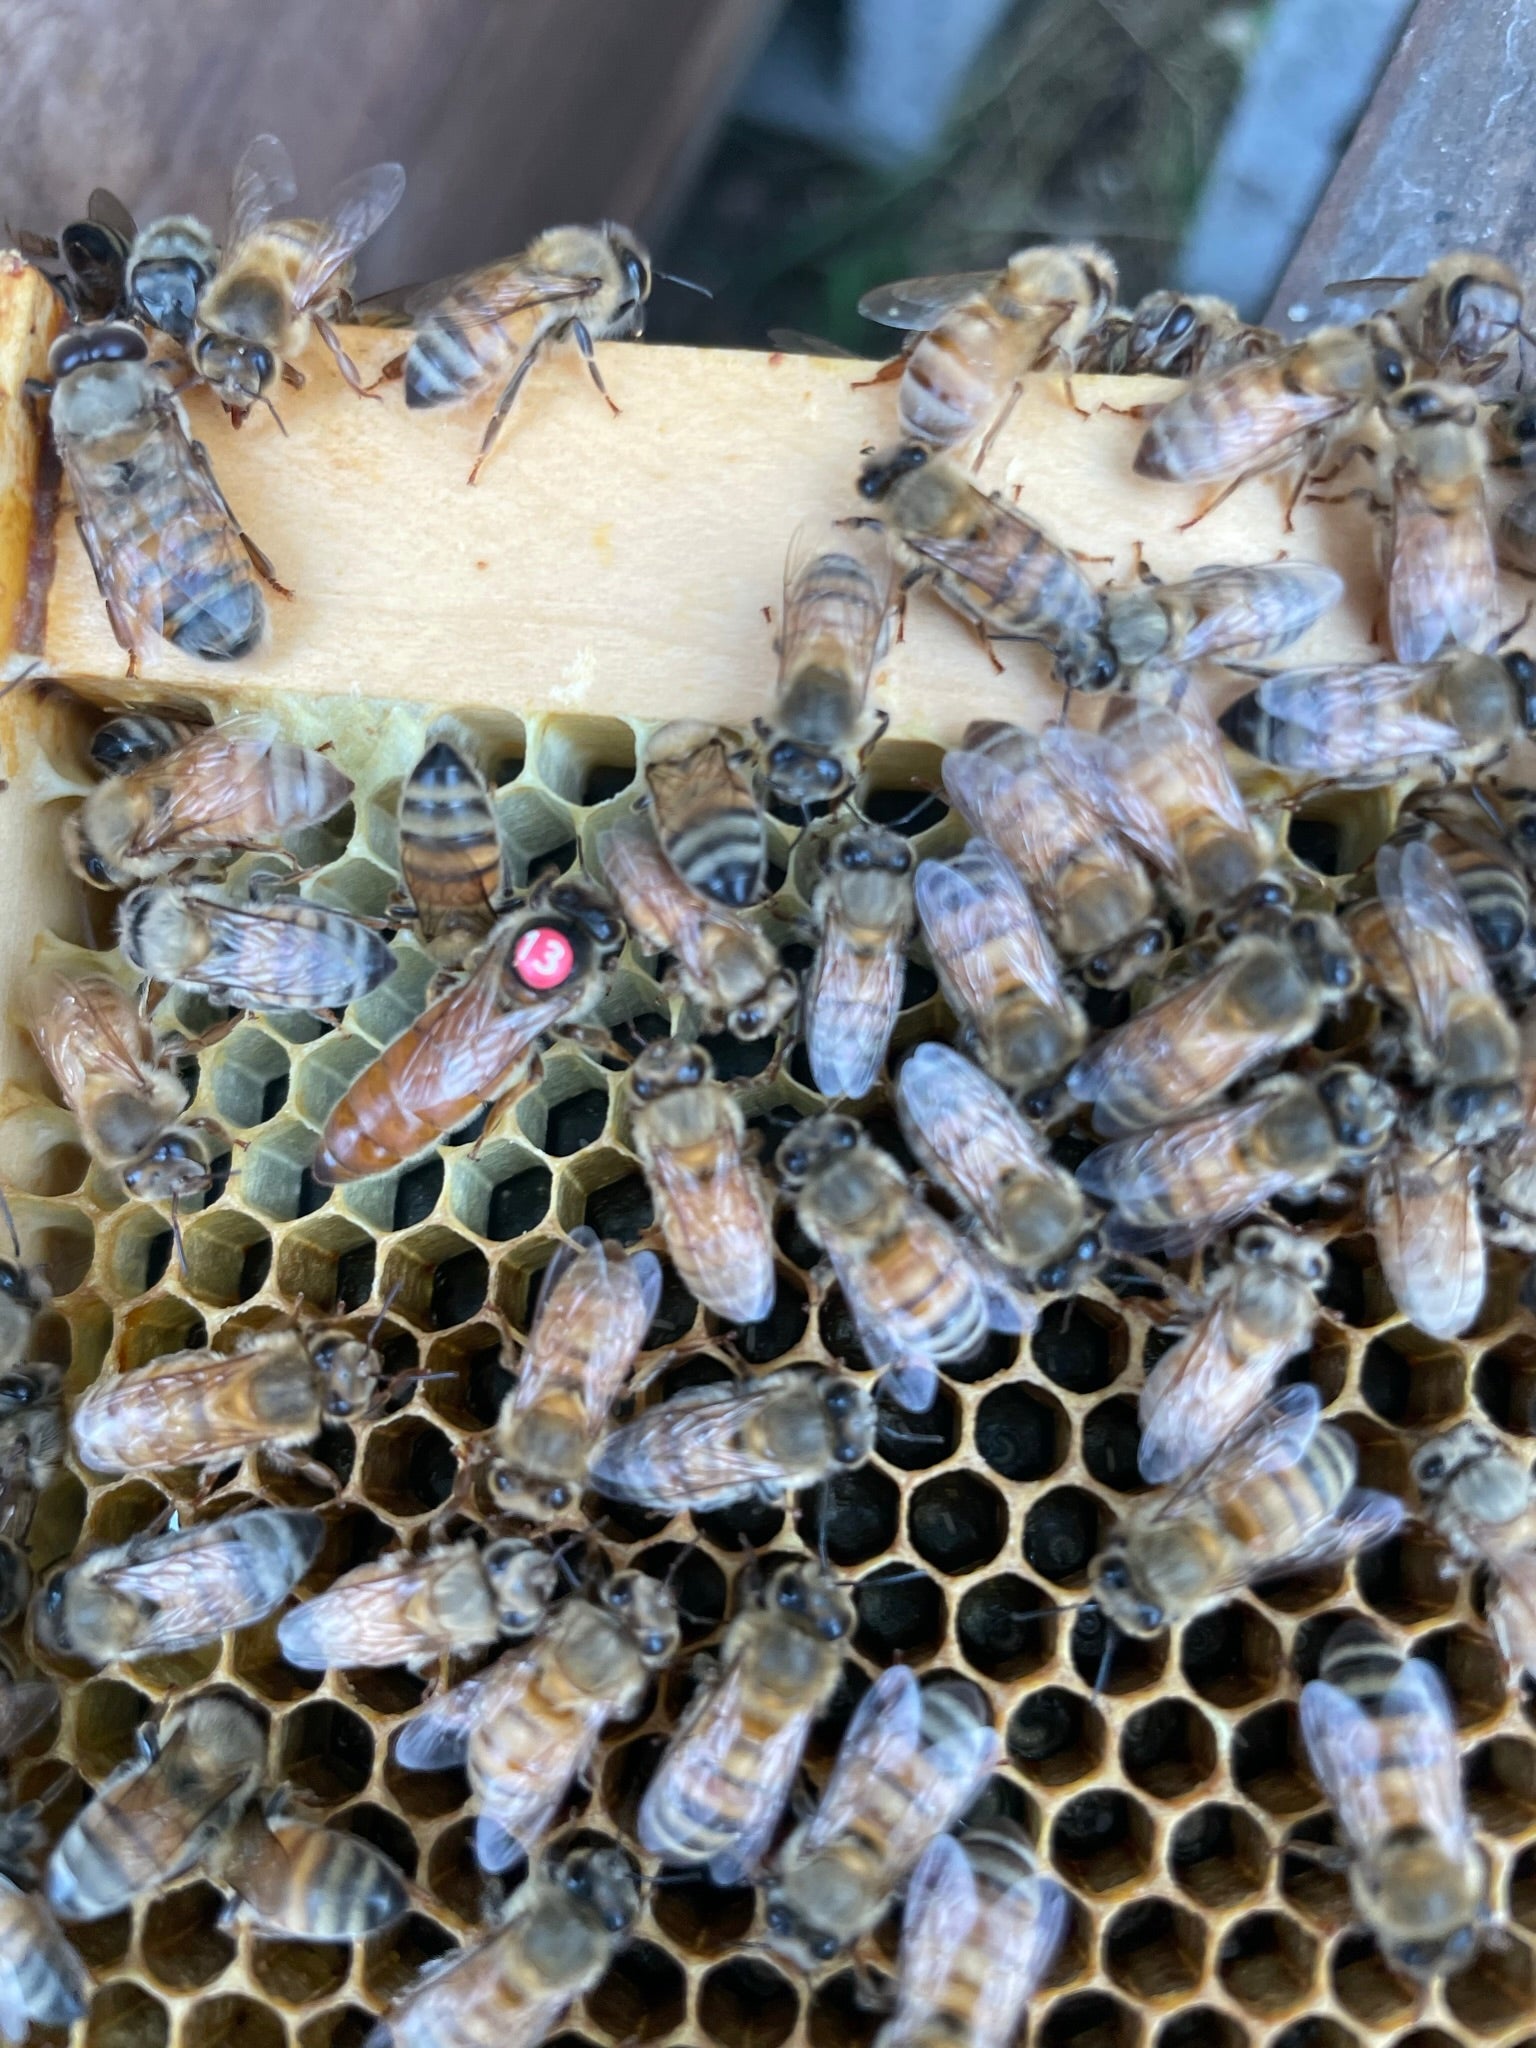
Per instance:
(788,153)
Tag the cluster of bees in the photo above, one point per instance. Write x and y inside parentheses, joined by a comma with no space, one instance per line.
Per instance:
(1115,870)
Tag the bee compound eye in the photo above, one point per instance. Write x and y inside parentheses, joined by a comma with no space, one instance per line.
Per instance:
(791,1595)
(824,1947)
(1432,1467)
(1149,1615)
(1114,1575)
(17,1391)
(780,1918)
(560,1497)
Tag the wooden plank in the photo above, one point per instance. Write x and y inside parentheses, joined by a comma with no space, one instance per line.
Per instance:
(29,316)
(1444,157)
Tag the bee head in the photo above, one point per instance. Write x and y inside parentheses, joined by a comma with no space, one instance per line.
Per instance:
(648,1613)
(1326,956)
(1112,1584)
(1521,670)
(802,774)
(851,1419)
(813,1145)
(1362,1109)
(522,1579)
(602,1880)
(761,1013)
(635,280)
(349,1369)
(84,859)
(173,1169)
(668,1063)
(1085,661)
(813,1599)
(882,473)
(239,371)
(112,341)
(793,1934)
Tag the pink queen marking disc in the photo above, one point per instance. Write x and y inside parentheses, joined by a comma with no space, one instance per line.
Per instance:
(544,957)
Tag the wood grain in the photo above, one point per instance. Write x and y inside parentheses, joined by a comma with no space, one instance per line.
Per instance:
(29,316)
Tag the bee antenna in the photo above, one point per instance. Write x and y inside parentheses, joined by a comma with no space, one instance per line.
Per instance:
(688,284)
(10,1223)
(28,671)
(271,408)
(1102,1678)
(179,1240)
(378,1322)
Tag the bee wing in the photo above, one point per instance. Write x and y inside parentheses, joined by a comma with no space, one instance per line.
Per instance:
(908,1377)
(1442,582)
(1148,728)
(496,292)
(1348,1745)
(693,1437)
(1257,414)
(582,1284)
(1380,695)
(278,963)
(41,1947)
(108,211)
(217,775)
(88,1029)
(189,1587)
(712,1203)
(1239,610)
(1275,1436)
(436,1738)
(23,1710)
(882,1740)
(1084,766)
(702,1749)
(1199,1395)
(921,302)
(938,1087)
(990,560)
(1424,1212)
(1512,1609)
(851,1005)
(361,1619)
(975,905)
(263,184)
(357,208)
(1132,1173)
(1365,1519)
(1431,925)
(942,1906)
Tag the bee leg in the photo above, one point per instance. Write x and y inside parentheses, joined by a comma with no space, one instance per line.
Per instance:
(505,403)
(1004,414)
(344,362)
(1232,484)
(595,1038)
(260,561)
(294,377)
(987,648)
(589,356)
(300,1465)
(392,372)
(888,373)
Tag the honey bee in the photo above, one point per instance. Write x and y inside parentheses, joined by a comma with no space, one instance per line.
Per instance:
(1255,1315)
(1218,614)
(171,262)
(545,965)
(169,556)
(281,278)
(1442,580)
(980,1929)
(1376,722)
(1029,1212)
(42,1981)
(1460,318)
(117,1078)
(725,967)
(157,1595)
(833,628)
(1304,406)
(910,1764)
(705,814)
(594,1310)
(1420,952)
(1262,997)
(864,911)
(94,252)
(218,791)
(1289,1138)
(514,1990)
(1382,1739)
(733,1758)
(314,1883)
(1041,801)
(1509,1171)
(159,1814)
(1171,758)
(1177,334)
(980,332)
(1422,1202)
(134,739)
(580,284)
(527,1727)
(714,1210)
(919,1300)
(404,1609)
(452,863)
(1480,836)
(984,559)
(998,973)
(273,1393)
(285,955)
(1479,1499)
(710,1447)
(1278,1497)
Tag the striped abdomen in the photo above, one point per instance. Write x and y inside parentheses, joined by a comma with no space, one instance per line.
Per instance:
(315,1882)
(1023,584)
(954,379)
(1364,1665)
(450,852)
(47,1979)
(918,1285)
(1010,1897)
(905,1802)
(196,1405)
(458,351)
(1277,1509)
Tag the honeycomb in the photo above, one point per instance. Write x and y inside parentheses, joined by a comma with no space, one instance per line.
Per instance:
(1166,1804)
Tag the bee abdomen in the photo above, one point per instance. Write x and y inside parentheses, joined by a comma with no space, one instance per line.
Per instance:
(1360,1662)
(220,617)
(448,361)
(722,857)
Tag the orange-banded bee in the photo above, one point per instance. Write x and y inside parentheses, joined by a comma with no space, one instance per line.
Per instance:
(160,1813)
(529,1725)
(117,1078)
(1305,405)
(712,1204)
(416,1611)
(1176,334)
(169,556)
(1254,1316)
(980,1930)
(980,332)
(986,560)
(1218,614)
(998,972)
(272,1393)
(212,792)
(1460,318)
(1421,954)
(256,956)
(281,278)
(911,1762)
(1479,1498)
(595,1307)
(1382,1738)
(1028,1212)
(712,1446)
(917,1296)
(157,1595)
(314,1883)
(864,910)
(1288,1139)
(1375,722)
(545,965)
(832,631)
(1041,801)
(1262,996)
(706,816)
(1422,1201)
(725,967)
(1442,580)
(452,864)
(733,1758)
(1278,1497)
(557,1939)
